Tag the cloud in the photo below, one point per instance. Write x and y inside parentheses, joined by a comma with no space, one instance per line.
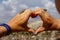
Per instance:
(9,8)
(50,6)
(6,1)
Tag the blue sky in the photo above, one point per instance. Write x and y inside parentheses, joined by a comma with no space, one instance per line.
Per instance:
(9,8)
(1,0)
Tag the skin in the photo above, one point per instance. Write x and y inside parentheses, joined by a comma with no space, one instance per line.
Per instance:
(18,23)
(49,23)
(57,3)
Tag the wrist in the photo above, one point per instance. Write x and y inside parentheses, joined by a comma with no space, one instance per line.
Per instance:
(12,26)
(27,12)
(3,29)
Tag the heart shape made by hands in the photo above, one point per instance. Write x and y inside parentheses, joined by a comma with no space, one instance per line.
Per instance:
(49,23)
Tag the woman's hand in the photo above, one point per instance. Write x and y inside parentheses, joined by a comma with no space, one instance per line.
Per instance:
(19,22)
(49,23)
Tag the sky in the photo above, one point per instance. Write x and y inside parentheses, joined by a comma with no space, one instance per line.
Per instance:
(9,8)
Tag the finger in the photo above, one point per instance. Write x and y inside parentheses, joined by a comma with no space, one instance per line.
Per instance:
(28,12)
(22,11)
(45,16)
(25,15)
(39,30)
(40,12)
(30,30)
(34,15)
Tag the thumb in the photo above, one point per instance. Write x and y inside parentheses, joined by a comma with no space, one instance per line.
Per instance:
(39,30)
(30,30)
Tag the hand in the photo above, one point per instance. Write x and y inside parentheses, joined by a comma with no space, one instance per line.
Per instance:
(19,22)
(49,23)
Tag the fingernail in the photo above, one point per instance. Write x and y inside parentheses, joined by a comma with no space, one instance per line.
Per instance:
(45,9)
(22,11)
